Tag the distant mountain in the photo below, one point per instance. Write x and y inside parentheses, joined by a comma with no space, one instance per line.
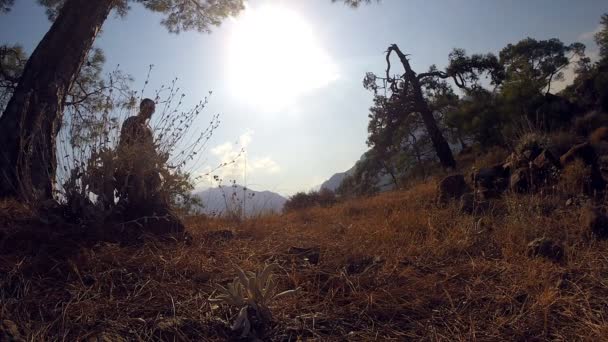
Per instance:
(219,201)
(334,181)
(385,182)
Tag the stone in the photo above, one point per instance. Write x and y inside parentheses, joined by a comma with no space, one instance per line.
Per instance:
(493,177)
(596,222)
(546,248)
(309,254)
(546,161)
(519,181)
(451,188)
(545,169)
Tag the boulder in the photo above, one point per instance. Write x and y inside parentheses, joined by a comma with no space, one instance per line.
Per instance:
(494,177)
(520,180)
(546,248)
(545,168)
(546,160)
(451,188)
(596,222)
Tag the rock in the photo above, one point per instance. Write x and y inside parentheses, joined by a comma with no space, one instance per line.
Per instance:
(520,181)
(546,160)
(358,265)
(494,177)
(545,169)
(596,222)
(584,152)
(451,187)
(546,248)
(470,204)
(530,154)
(9,332)
(310,254)
(222,234)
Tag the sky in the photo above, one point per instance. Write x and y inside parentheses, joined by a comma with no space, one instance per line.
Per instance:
(287,75)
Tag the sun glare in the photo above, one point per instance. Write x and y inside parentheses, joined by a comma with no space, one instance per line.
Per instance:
(273,58)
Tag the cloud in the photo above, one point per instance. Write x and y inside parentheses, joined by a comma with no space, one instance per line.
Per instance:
(587,36)
(237,162)
(265,164)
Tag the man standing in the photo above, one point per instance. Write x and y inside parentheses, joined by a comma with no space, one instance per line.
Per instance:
(138,175)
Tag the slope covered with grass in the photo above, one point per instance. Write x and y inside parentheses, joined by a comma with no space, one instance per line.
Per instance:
(393,266)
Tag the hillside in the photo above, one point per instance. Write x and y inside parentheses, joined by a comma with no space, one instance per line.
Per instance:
(393,266)
(220,201)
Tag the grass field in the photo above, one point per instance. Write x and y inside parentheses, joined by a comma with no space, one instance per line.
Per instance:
(391,267)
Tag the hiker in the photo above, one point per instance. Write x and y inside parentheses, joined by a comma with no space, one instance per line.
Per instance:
(138,178)
(139,175)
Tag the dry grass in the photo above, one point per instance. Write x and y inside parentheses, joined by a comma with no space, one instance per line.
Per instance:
(438,275)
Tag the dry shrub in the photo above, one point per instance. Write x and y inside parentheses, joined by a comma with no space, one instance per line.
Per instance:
(599,135)
(574,178)
(585,125)
(432,274)
(302,200)
(561,142)
(530,142)
(495,155)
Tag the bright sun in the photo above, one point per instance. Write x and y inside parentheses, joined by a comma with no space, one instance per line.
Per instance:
(274,58)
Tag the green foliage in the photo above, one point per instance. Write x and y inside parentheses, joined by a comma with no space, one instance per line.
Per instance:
(6,5)
(199,15)
(179,15)
(468,70)
(537,63)
(478,116)
(12,62)
(302,200)
(601,38)
(366,176)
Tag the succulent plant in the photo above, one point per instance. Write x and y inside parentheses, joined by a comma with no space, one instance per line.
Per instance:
(251,292)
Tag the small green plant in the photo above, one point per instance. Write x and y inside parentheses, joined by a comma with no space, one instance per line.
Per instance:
(250,293)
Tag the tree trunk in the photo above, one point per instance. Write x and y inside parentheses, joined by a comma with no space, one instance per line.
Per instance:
(442,148)
(33,116)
